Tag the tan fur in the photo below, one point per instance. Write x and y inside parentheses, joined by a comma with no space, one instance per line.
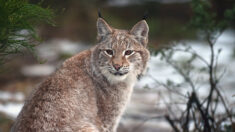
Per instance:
(86,94)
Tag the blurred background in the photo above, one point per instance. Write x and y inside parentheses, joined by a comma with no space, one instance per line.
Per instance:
(75,30)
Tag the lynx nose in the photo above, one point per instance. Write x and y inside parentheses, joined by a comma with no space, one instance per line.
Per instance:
(117,66)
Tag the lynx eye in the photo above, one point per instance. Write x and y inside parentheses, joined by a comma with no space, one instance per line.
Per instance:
(129,52)
(109,52)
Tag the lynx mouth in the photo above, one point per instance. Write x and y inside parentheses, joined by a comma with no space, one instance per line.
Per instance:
(119,73)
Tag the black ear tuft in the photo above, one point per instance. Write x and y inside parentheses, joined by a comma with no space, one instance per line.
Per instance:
(145,15)
(99,14)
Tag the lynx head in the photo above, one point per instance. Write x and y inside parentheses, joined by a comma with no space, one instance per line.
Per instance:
(121,54)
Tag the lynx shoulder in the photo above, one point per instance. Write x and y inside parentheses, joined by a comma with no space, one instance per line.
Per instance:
(91,89)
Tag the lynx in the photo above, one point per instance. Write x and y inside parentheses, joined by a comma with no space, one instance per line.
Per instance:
(91,89)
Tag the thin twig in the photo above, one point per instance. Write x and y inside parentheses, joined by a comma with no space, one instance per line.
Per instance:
(193,52)
(171,122)
(167,87)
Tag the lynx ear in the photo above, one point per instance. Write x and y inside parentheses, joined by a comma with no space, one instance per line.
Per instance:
(140,31)
(103,28)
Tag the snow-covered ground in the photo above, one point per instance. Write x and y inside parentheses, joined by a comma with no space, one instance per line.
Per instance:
(13,105)
(145,102)
(161,71)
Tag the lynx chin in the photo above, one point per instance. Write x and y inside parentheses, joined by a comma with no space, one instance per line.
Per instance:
(91,89)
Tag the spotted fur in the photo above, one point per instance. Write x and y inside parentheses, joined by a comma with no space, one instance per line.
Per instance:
(91,89)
